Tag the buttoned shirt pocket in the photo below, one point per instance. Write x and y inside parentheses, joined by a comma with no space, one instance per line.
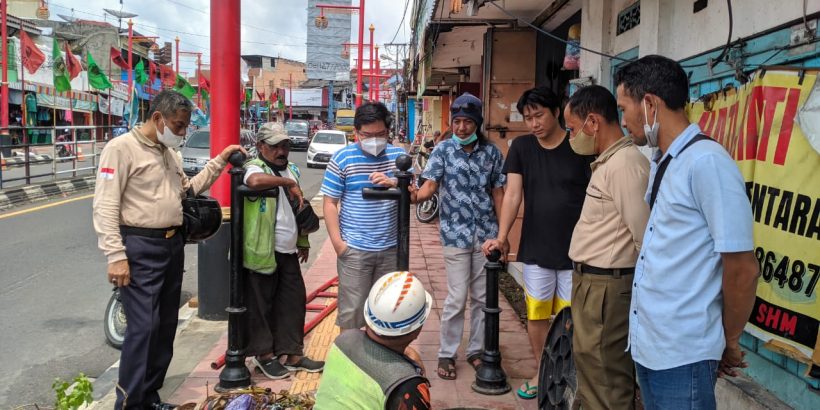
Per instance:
(596,204)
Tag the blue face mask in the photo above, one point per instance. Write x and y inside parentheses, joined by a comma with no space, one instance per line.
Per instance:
(466,141)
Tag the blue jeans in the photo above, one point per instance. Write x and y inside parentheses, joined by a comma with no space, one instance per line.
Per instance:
(688,387)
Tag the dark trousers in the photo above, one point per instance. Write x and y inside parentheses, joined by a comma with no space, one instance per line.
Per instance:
(276,309)
(151,304)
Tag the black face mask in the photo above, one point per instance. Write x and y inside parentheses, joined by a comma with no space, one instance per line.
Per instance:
(272,165)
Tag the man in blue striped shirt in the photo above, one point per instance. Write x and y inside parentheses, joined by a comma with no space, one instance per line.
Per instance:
(363,232)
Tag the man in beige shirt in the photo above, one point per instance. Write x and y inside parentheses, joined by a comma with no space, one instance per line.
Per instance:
(604,248)
(137,216)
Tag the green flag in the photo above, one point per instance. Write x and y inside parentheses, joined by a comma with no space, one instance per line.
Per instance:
(140,75)
(183,87)
(62,83)
(205,95)
(96,78)
(248,96)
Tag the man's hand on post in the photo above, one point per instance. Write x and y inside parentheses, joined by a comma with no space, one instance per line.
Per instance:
(379,178)
(492,244)
(732,360)
(303,254)
(119,274)
(230,149)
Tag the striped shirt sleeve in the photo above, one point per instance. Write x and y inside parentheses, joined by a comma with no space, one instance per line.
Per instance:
(333,184)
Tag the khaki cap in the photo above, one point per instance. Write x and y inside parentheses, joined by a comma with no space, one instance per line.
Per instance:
(272,133)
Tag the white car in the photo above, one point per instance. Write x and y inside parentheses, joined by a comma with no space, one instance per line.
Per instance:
(323,145)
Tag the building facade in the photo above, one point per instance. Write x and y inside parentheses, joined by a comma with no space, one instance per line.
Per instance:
(497,49)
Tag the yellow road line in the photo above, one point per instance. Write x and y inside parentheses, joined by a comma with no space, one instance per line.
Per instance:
(37,208)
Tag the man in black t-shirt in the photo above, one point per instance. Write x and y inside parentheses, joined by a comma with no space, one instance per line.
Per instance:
(544,171)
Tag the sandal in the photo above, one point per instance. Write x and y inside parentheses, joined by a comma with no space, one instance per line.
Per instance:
(446,369)
(474,360)
(527,392)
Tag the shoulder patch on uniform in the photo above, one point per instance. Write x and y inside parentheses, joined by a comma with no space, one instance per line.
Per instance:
(106,173)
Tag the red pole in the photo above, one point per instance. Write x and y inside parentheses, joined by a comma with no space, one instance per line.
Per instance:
(225,39)
(370,65)
(378,78)
(4,88)
(359,76)
(177,51)
(130,56)
(290,96)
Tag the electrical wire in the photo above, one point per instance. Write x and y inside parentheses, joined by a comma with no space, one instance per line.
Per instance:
(729,39)
(554,37)
(401,24)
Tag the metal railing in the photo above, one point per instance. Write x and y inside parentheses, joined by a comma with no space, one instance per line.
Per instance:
(42,154)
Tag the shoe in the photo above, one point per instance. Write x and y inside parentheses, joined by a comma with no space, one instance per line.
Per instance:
(308,365)
(527,392)
(162,406)
(271,368)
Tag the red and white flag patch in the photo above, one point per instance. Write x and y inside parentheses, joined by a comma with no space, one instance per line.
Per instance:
(107,173)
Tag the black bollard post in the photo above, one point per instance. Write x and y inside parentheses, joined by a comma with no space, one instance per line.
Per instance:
(402,195)
(235,375)
(490,378)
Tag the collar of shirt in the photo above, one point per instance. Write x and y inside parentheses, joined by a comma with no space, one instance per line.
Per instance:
(677,145)
(143,139)
(609,152)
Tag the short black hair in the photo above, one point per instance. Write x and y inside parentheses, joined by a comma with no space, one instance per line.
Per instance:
(658,75)
(539,96)
(594,99)
(169,102)
(368,113)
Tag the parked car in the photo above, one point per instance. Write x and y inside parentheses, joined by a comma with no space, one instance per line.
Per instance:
(196,151)
(324,144)
(299,133)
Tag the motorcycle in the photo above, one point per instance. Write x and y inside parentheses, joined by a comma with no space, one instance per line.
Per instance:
(115,322)
(426,211)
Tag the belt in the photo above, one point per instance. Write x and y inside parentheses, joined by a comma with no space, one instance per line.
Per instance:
(166,233)
(581,268)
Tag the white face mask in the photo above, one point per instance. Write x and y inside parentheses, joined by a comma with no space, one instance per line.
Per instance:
(167,137)
(651,132)
(374,146)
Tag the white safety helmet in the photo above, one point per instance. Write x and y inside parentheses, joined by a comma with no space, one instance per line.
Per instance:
(397,304)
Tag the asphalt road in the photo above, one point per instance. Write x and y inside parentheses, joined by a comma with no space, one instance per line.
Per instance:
(53,293)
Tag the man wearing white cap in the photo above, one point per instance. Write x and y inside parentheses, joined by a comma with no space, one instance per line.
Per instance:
(375,368)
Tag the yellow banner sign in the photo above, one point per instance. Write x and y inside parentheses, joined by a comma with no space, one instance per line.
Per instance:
(757,125)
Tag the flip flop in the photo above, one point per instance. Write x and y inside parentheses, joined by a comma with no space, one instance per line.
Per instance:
(472,359)
(527,392)
(446,369)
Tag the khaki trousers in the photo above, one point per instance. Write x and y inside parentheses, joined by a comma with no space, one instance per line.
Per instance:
(600,313)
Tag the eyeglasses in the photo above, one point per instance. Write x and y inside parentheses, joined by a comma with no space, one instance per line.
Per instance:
(381,134)
(469,108)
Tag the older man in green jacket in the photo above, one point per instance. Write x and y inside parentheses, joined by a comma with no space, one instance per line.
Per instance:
(273,248)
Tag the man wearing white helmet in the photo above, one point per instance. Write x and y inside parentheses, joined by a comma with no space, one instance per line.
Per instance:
(376,368)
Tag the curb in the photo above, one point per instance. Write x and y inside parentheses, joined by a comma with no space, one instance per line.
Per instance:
(105,384)
(38,192)
(20,160)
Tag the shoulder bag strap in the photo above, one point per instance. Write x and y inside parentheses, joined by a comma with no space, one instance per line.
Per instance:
(656,183)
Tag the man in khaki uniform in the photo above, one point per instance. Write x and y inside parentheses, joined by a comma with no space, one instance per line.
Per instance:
(604,248)
(137,216)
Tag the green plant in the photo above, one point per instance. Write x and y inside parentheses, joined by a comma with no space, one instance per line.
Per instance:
(80,393)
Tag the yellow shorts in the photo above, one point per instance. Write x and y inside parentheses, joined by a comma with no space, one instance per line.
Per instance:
(548,291)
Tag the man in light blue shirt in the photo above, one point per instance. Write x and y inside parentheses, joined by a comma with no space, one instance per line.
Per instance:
(696,275)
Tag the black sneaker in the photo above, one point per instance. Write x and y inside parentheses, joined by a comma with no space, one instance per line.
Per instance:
(271,368)
(305,364)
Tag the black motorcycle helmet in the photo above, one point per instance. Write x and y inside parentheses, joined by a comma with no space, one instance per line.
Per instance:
(201,217)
